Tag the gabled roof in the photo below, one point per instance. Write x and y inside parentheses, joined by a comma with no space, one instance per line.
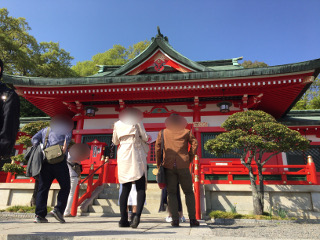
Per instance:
(312,65)
(159,43)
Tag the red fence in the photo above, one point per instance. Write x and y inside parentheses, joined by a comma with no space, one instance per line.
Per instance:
(210,172)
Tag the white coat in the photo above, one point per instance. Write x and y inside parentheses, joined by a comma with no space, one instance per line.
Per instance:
(131,157)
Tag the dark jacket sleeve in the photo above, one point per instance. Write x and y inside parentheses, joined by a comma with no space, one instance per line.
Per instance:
(194,146)
(9,122)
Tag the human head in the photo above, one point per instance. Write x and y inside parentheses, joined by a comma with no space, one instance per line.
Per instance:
(80,151)
(176,121)
(1,68)
(131,116)
(61,123)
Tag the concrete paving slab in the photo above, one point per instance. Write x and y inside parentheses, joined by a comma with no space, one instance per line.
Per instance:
(83,228)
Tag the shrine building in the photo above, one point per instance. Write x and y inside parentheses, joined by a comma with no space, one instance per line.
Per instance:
(161,81)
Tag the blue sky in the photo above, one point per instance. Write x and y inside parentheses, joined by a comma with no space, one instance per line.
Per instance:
(273,31)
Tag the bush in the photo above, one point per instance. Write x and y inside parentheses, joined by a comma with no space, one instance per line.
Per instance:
(24,209)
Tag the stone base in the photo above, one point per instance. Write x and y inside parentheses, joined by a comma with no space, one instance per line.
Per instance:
(296,200)
(13,194)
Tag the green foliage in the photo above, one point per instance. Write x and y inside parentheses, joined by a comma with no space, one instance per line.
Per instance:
(258,132)
(27,109)
(311,99)
(233,208)
(281,212)
(255,64)
(255,133)
(23,55)
(19,158)
(118,55)
(13,168)
(229,215)
(25,140)
(34,127)
(24,209)
(30,129)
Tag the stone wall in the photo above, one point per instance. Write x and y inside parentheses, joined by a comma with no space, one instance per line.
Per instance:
(297,200)
(13,194)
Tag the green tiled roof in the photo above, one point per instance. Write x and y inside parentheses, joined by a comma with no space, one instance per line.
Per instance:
(107,79)
(302,118)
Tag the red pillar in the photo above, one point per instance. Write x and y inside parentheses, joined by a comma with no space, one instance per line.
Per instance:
(197,187)
(80,123)
(313,171)
(76,194)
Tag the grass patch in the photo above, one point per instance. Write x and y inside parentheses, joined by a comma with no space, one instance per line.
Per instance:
(23,209)
(230,215)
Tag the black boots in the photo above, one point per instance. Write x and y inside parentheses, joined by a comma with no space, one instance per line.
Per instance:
(194,223)
(135,221)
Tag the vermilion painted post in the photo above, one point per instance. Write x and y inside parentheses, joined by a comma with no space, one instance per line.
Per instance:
(312,170)
(101,175)
(9,176)
(197,187)
(75,201)
(90,181)
(105,170)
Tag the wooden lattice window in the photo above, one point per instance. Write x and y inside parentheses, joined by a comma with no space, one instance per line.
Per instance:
(301,157)
(152,153)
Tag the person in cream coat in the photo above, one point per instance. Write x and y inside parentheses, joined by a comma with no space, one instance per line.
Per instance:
(130,135)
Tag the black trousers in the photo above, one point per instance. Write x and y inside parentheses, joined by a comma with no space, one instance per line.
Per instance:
(141,197)
(48,173)
(164,199)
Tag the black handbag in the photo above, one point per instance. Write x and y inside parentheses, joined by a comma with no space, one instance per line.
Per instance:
(161,176)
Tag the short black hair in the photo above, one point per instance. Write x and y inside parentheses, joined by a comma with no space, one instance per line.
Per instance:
(1,68)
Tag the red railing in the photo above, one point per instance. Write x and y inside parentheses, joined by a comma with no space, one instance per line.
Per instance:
(91,186)
(202,173)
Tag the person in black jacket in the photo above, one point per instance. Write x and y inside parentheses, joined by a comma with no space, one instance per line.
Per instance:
(9,118)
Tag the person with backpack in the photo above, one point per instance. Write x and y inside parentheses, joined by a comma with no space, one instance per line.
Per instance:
(9,118)
(176,162)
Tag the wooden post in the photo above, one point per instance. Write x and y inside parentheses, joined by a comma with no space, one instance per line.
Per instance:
(197,187)
(312,170)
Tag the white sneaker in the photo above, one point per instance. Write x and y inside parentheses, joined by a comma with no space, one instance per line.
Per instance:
(182,219)
(168,219)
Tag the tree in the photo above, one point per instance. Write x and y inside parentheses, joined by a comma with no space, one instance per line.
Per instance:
(258,137)
(311,99)
(255,64)
(24,56)
(118,55)
(28,130)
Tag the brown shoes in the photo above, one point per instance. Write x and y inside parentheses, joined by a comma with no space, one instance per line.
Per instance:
(175,223)
(194,223)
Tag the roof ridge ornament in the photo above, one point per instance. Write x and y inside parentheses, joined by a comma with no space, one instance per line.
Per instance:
(160,35)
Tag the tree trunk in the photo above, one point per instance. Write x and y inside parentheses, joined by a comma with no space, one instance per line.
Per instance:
(257,205)
(261,186)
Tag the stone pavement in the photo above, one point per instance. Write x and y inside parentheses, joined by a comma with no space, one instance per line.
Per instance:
(81,228)
(100,228)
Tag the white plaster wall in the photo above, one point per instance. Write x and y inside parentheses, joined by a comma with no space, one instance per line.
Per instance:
(110,110)
(179,108)
(214,121)
(99,123)
(313,138)
(214,107)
